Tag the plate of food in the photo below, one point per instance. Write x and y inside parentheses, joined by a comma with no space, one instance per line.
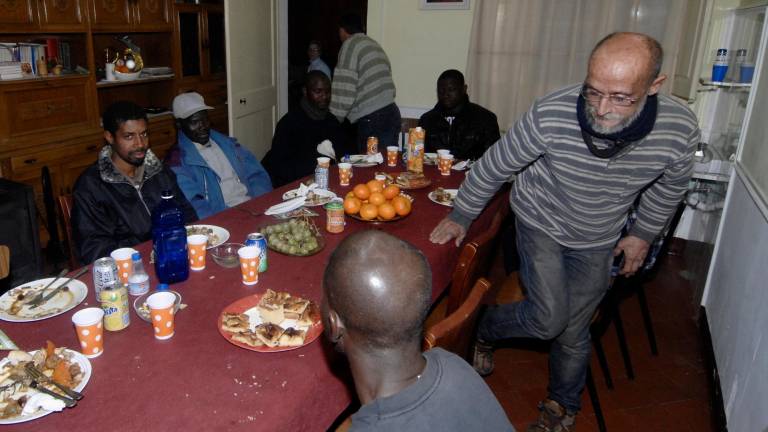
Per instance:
(271,322)
(297,237)
(19,402)
(362,161)
(142,310)
(216,234)
(314,197)
(411,180)
(443,196)
(14,304)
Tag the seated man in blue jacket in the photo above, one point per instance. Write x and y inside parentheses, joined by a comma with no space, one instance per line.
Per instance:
(213,170)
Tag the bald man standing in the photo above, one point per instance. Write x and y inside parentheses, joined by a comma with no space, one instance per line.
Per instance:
(583,155)
(376,316)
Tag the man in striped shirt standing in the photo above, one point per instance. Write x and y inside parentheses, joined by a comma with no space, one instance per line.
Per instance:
(363,90)
(582,156)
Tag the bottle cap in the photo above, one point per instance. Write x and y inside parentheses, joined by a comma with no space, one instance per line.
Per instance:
(136,256)
(161,287)
(166,194)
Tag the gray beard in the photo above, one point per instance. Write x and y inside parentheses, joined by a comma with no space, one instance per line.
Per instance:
(592,119)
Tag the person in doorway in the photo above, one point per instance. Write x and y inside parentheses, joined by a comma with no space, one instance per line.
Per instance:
(113,199)
(214,170)
(294,147)
(316,63)
(375,316)
(363,90)
(455,123)
(583,155)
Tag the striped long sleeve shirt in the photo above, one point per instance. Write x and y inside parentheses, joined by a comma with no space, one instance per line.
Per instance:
(362,80)
(578,199)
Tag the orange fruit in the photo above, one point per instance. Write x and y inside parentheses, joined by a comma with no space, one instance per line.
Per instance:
(391,191)
(387,211)
(375,185)
(352,205)
(369,211)
(349,194)
(377,198)
(361,191)
(402,205)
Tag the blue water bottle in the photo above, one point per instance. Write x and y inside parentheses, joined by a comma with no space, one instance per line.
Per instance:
(169,241)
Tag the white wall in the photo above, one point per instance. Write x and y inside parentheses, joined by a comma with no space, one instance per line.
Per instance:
(420,45)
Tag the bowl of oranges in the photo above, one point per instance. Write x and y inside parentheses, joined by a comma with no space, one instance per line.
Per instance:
(376,202)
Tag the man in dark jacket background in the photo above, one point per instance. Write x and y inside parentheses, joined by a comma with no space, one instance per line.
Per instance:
(455,123)
(114,197)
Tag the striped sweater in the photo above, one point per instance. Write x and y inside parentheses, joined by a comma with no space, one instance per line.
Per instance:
(578,199)
(362,80)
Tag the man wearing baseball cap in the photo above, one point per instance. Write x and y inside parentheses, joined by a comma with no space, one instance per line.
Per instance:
(213,170)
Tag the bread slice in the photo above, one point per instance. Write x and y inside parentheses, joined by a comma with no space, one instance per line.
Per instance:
(310,316)
(235,323)
(269,334)
(292,337)
(271,307)
(248,338)
(294,307)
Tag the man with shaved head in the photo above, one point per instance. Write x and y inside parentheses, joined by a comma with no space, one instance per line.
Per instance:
(376,294)
(584,155)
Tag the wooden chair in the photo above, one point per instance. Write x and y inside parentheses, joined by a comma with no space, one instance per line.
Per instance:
(456,332)
(5,259)
(475,260)
(65,211)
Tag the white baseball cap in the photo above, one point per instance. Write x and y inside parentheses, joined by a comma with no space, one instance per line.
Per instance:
(186,104)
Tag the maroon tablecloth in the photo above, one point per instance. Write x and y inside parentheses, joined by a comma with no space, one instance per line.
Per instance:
(197,380)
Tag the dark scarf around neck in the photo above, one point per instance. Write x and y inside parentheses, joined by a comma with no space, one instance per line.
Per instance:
(635,131)
(312,111)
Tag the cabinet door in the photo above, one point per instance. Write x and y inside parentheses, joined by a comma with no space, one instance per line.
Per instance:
(18,15)
(189,43)
(58,15)
(215,44)
(691,47)
(110,15)
(152,15)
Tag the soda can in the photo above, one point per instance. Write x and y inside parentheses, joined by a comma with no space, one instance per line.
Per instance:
(114,302)
(257,239)
(104,274)
(372,145)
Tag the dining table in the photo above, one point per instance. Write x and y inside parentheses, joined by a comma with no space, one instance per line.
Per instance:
(197,380)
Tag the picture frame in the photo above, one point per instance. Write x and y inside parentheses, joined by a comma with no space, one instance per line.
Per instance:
(443,4)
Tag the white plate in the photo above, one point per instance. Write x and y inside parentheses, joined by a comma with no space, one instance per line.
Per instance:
(85,366)
(453,193)
(430,158)
(222,235)
(60,303)
(323,197)
(359,161)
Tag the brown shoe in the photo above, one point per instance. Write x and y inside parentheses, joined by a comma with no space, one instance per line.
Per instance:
(482,357)
(553,418)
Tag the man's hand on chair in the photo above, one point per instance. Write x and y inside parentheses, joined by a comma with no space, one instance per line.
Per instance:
(635,249)
(447,230)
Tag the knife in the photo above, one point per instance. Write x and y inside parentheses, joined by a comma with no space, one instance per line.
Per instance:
(39,296)
(50,295)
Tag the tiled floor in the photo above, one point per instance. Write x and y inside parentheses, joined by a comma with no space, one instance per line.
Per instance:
(669,392)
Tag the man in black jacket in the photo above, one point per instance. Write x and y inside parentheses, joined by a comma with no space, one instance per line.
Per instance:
(455,123)
(114,198)
(294,147)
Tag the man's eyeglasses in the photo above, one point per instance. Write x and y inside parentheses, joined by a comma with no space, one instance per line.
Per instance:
(594,96)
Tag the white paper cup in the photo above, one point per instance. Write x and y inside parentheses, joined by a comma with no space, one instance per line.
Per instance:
(161,300)
(90,331)
(196,251)
(249,264)
(443,152)
(124,264)
(161,312)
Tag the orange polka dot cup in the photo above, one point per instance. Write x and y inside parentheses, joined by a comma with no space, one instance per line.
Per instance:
(249,264)
(89,326)
(444,163)
(161,311)
(345,173)
(124,264)
(392,155)
(196,251)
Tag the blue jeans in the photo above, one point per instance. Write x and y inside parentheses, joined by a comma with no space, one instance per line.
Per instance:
(383,124)
(564,286)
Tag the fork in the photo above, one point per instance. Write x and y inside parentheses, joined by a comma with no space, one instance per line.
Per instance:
(69,403)
(39,296)
(36,374)
(35,303)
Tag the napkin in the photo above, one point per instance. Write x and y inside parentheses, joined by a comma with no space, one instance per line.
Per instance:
(461,166)
(38,401)
(376,158)
(325,148)
(286,206)
(303,189)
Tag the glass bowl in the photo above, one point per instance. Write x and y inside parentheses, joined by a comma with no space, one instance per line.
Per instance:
(225,254)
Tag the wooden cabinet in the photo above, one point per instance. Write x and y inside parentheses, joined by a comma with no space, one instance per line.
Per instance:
(34,15)
(18,15)
(130,15)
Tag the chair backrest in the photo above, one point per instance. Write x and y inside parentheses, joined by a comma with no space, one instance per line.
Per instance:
(456,331)
(474,260)
(65,211)
(5,259)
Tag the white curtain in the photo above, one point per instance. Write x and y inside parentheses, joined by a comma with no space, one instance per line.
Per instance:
(523,49)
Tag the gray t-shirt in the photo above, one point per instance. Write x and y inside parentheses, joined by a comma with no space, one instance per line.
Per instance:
(449,396)
(233,190)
